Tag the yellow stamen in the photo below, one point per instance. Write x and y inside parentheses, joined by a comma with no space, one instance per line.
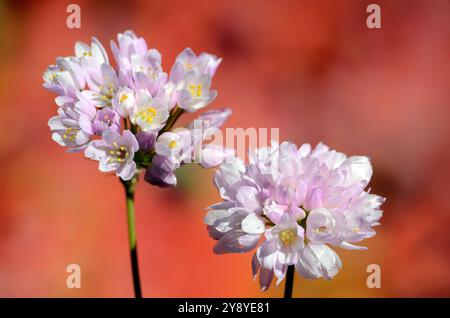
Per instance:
(119,154)
(70,134)
(195,90)
(321,229)
(172,144)
(287,236)
(123,98)
(147,115)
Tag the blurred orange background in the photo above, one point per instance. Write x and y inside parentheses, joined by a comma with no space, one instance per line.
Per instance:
(311,68)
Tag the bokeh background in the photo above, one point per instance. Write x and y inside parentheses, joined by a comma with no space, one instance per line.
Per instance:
(311,68)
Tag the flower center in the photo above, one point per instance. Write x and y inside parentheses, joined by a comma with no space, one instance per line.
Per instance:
(107,121)
(172,144)
(106,93)
(195,90)
(70,134)
(123,98)
(147,115)
(287,236)
(322,229)
(118,154)
(356,230)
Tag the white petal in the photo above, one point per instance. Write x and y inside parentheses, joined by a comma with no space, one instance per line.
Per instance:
(360,168)
(253,224)
(247,197)
(214,215)
(127,170)
(349,246)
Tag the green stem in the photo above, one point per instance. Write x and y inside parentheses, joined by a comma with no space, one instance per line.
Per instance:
(130,187)
(131,221)
(177,112)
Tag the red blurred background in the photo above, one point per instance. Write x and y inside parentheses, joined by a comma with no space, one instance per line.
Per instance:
(311,68)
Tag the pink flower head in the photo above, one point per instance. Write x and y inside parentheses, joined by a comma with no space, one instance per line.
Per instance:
(124,116)
(297,201)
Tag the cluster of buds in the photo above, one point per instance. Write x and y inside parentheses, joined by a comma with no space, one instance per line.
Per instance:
(123,117)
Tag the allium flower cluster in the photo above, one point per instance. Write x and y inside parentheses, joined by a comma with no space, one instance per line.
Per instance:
(123,116)
(292,204)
